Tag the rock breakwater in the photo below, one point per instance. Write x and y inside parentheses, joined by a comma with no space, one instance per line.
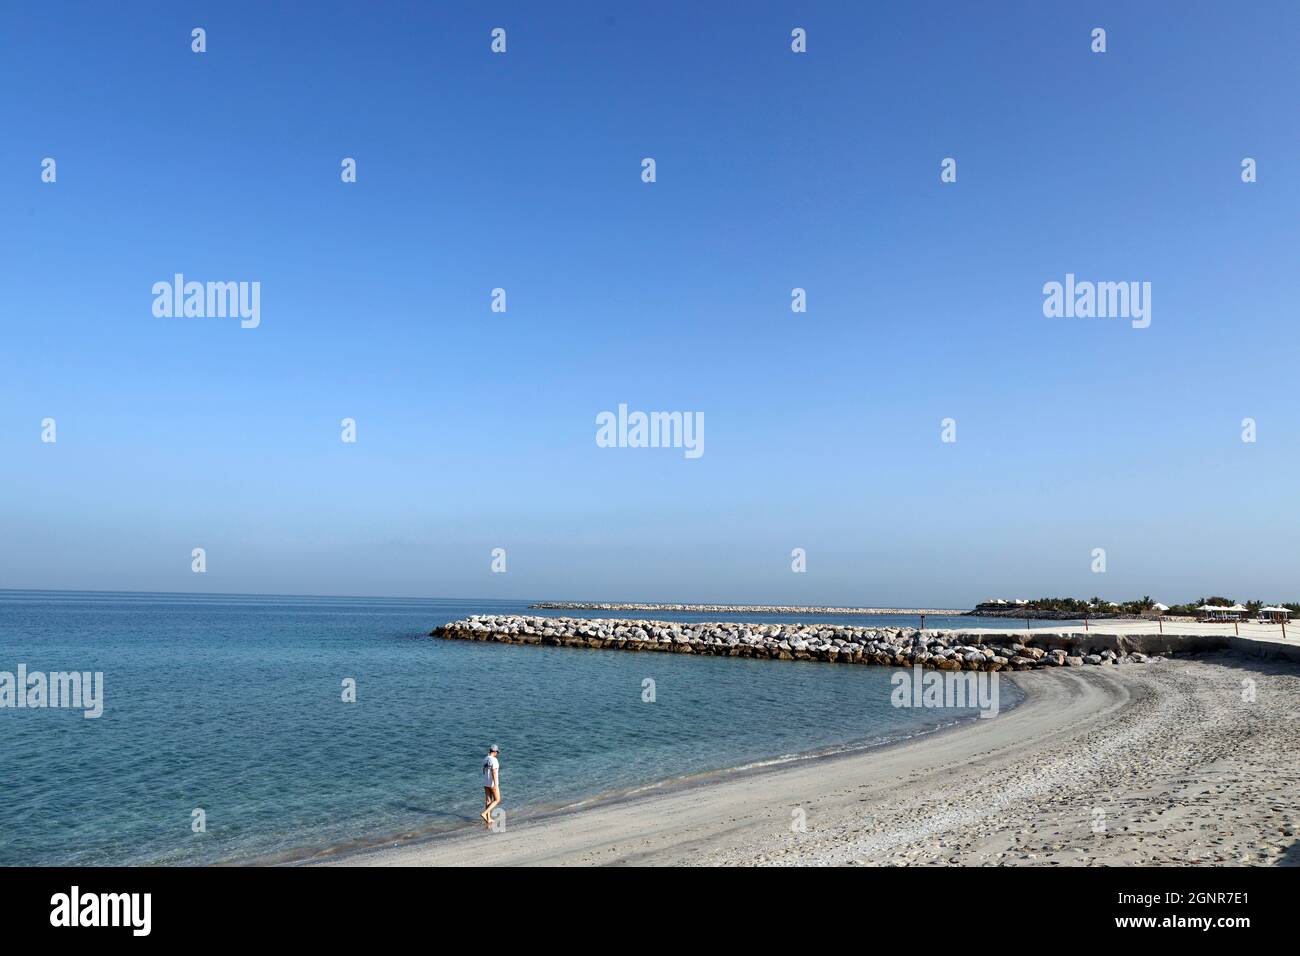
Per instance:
(786,609)
(887,646)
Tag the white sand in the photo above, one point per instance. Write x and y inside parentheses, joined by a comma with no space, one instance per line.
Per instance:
(1137,764)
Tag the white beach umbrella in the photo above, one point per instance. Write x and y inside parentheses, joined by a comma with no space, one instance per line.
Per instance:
(1237,607)
(1159,607)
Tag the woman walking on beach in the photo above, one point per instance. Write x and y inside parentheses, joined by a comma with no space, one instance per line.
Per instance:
(491,784)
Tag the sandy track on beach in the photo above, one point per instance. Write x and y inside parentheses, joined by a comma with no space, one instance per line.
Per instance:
(1138,764)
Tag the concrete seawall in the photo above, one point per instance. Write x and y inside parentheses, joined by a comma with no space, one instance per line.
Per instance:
(1152,644)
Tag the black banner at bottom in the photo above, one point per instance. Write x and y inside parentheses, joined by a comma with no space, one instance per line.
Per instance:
(303,905)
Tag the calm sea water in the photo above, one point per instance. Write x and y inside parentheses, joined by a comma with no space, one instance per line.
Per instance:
(233,705)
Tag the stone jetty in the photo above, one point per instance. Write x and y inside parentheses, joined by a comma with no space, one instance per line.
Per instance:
(784,609)
(887,646)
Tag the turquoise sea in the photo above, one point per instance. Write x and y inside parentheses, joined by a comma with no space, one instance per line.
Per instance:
(233,705)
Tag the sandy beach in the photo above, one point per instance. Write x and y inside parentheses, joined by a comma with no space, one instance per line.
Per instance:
(1172,763)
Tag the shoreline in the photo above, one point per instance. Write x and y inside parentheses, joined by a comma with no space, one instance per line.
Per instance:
(1169,760)
(541,814)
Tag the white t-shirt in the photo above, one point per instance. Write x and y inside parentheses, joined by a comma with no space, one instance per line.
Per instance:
(490,763)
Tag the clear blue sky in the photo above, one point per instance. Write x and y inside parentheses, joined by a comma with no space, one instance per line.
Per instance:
(775,170)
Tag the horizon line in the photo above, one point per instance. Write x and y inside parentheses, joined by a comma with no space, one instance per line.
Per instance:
(408,597)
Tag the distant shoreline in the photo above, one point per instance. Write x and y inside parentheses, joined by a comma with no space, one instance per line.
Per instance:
(741,608)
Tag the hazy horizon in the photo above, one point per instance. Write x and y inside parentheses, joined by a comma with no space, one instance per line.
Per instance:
(948,606)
